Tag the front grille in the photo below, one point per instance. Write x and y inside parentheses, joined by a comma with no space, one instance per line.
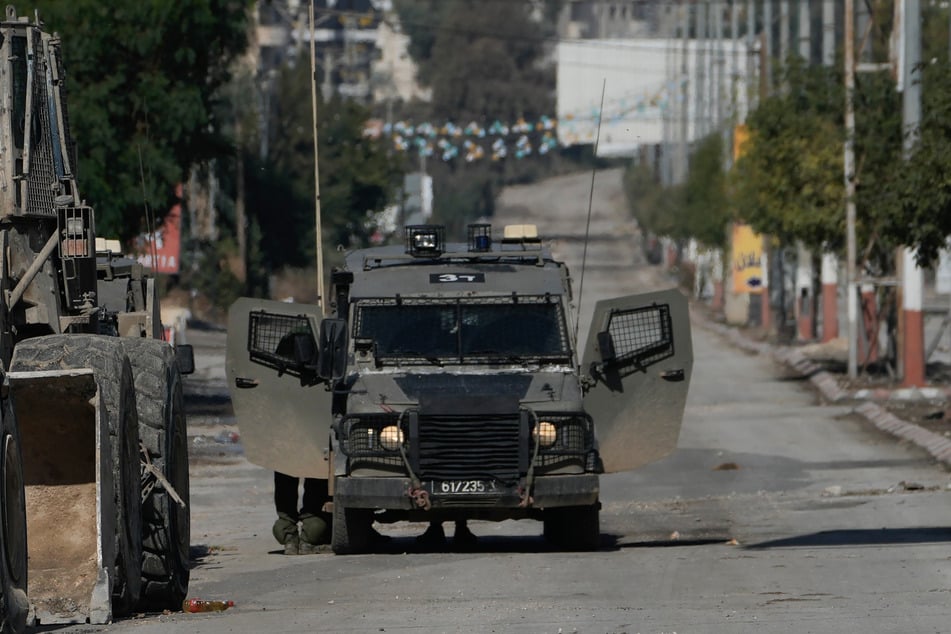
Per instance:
(469,502)
(463,447)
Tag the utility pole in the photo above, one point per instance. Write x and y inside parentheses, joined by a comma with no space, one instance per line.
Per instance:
(783,31)
(768,43)
(666,145)
(717,8)
(750,60)
(912,340)
(828,32)
(685,88)
(830,263)
(700,74)
(734,70)
(711,96)
(805,22)
(849,164)
(805,293)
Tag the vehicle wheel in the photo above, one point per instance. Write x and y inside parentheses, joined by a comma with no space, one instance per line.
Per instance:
(574,527)
(350,530)
(552,527)
(113,374)
(14,604)
(166,524)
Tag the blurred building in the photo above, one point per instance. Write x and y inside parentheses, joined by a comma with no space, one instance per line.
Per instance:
(360,52)
(613,19)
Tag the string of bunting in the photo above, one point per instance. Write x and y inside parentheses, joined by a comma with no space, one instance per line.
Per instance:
(497,141)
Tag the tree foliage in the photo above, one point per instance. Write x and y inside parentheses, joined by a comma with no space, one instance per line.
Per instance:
(789,183)
(143,78)
(654,207)
(706,207)
(699,208)
(488,65)
(924,191)
(358,177)
(485,61)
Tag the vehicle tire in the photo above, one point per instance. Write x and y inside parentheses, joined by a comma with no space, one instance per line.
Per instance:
(350,532)
(574,527)
(14,604)
(166,525)
(113,374)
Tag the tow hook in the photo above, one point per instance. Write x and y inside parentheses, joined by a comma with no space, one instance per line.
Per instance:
(526,499)
(421,498)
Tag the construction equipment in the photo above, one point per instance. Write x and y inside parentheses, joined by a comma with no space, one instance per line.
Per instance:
(93,462)
(448,385)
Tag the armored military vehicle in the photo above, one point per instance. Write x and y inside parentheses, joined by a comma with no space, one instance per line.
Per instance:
(448,384)
(93,464)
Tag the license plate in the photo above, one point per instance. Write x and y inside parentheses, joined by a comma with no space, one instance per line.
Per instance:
(464,487)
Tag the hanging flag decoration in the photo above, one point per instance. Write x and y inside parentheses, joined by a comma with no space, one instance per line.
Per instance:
(519,139)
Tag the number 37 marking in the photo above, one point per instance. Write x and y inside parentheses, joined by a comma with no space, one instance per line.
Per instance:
(449,278)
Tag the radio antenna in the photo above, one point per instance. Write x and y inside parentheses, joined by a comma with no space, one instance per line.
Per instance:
(321,299)
(587,227)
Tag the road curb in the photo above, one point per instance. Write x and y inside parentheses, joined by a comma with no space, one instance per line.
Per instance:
(825,382)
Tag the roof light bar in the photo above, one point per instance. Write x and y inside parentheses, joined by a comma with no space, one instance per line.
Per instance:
(425,241)
(480,238)
(520,233)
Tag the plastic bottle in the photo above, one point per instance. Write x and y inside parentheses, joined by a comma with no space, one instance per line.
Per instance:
(201,605)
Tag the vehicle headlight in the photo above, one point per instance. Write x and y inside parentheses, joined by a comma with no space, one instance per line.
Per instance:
(391,437)
(545,434)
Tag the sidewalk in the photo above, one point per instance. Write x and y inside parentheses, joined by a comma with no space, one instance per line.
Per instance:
(928,407)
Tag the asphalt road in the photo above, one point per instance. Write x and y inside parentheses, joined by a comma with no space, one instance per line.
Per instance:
(775,514)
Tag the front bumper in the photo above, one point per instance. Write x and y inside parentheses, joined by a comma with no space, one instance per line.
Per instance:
(394,494)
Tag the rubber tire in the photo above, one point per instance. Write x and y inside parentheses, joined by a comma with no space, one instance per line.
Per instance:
(113,373)
(166,526)
(573,527)
(350,530)
(14,604)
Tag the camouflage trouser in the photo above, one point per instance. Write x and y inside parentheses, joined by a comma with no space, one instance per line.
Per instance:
(285,529)
(314,523)
(315,528)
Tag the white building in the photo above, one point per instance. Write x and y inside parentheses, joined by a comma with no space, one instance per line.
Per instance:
(656,91)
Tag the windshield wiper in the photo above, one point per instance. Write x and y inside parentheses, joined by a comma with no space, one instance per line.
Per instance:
(511,358)
(419,355)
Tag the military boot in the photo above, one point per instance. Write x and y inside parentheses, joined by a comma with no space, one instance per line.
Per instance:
(315,532)
(285,532)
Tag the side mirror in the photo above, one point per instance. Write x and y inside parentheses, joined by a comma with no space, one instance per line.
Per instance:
(305,349)
(185,358)
(333,349)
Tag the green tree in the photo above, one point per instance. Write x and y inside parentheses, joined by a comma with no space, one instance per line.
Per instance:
(706,208)
(358,176)
(420,20)
(924,188)
(789,183)
(485,61)
(143,79)
(654,206)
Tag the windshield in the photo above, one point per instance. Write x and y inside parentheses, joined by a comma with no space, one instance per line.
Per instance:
(465,331)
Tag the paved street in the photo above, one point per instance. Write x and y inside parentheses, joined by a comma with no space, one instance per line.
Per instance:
(775,514)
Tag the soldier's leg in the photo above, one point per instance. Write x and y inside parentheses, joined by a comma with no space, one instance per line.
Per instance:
(463,537)
(314,522)
(285,502)
(433,537)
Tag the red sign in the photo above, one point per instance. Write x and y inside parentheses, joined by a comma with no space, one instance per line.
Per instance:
(164,245)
